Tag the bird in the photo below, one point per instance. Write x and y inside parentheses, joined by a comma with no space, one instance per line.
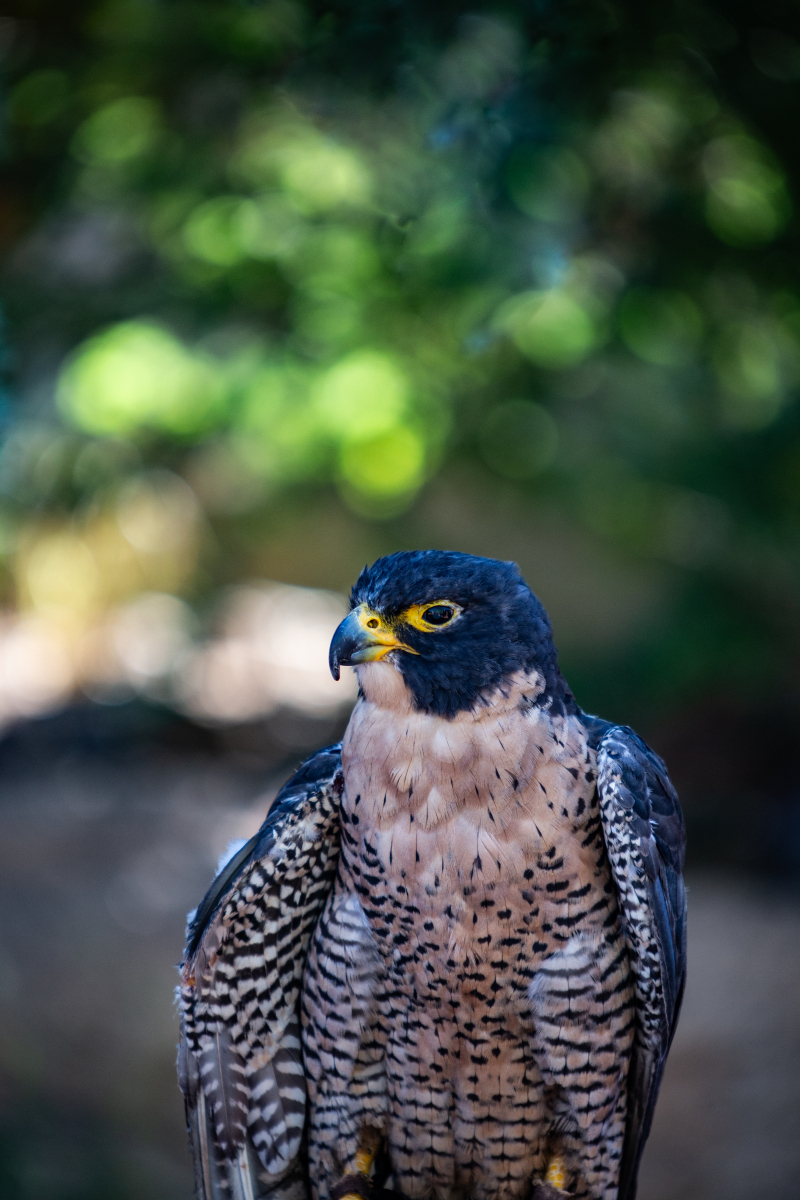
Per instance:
(449,966)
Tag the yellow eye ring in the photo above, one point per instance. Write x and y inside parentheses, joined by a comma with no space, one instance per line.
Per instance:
(415,616)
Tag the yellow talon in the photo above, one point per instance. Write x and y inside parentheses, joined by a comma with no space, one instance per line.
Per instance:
(556,1174)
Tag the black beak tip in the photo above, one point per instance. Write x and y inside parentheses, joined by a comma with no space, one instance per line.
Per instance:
(346,640)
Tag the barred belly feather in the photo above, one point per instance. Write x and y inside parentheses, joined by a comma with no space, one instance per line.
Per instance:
(469,975)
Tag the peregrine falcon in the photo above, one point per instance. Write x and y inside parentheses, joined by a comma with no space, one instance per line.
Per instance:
(450,963)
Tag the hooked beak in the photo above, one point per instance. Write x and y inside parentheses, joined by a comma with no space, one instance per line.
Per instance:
(363,636)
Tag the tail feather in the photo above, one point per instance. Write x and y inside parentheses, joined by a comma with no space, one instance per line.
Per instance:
(276,1116)
(244,1185)
(224,1083)
(208,1182)
(246,1127)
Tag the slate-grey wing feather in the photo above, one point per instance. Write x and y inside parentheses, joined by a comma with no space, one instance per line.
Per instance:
(646,840)
(240,1062)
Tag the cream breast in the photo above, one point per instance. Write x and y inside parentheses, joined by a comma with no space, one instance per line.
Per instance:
(490,783)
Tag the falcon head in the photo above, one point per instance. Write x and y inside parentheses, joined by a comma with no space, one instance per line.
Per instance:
(455,626)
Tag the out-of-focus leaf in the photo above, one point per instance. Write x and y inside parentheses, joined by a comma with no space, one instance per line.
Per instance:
(551,328)
(747,201)
(136,376)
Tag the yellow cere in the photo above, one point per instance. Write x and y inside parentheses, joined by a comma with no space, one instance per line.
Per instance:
(382,636)
(416,615)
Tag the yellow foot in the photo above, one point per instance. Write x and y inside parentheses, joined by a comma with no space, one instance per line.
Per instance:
(357,1186)
(552,1187)
(556,1174)
(364,1161)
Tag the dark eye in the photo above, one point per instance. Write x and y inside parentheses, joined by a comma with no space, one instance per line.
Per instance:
(438,614)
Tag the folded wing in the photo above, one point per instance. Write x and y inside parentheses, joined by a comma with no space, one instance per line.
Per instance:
(240,1064)
(646,840)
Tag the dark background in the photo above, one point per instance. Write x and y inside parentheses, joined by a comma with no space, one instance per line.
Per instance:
(286,286)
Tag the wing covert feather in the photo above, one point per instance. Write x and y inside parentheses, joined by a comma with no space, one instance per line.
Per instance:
(646,840)
(240,1064)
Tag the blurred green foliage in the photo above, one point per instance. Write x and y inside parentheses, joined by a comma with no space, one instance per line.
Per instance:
(347,256)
